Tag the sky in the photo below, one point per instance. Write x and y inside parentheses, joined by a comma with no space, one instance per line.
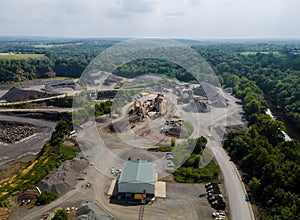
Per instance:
(193,19)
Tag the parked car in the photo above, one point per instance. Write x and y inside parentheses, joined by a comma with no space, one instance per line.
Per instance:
(218,214)
(118,171)
(170,164)
(219,206)
(212,187)
(217,199)
(215,195)
(220,218)
(218,202)
(212,191)
(169,156)
(210,184)
(112,171)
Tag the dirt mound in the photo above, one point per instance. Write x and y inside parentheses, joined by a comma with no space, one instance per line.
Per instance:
(16,95)
(91,211)
(63,179)
(219,101)
(182,131)
(102,119)
(120,125)
(200,92)
(111,79)
(196,107)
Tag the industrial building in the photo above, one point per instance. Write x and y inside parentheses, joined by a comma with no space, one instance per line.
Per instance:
(137,181)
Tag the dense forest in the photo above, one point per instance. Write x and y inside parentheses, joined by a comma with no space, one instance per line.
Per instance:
(258,72)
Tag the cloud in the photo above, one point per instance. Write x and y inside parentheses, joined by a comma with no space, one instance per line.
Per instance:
(138,6)
(151,18)
(176,13)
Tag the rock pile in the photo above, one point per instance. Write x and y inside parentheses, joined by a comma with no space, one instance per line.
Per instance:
(62,179)
(16,94)
(91,210)
(11,132)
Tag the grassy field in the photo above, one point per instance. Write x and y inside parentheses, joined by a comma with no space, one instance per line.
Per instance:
(25,56)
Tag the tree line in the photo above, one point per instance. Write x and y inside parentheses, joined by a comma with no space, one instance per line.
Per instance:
(270,165)
(63,58)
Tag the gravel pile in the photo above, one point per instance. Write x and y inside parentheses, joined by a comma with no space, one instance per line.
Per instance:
(196,107)
(11,132)
(91,211)
(16,94)
(62,179)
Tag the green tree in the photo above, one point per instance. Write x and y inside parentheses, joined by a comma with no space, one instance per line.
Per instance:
(254,185)
(46,197)
(200,145)
(252,107)
(61,214)
(173,142)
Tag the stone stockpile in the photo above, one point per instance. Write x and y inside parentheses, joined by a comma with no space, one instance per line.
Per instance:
(11,132)
(16,94)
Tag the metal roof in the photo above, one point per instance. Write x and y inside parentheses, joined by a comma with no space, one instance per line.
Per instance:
(138,171)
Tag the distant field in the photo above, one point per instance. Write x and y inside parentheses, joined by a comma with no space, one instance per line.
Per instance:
(54,45)
(17,56)
(262,52)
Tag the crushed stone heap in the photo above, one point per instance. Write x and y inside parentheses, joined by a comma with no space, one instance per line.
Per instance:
(11,132)
(16,94)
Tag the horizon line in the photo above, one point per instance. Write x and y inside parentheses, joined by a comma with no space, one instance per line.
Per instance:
(154,37)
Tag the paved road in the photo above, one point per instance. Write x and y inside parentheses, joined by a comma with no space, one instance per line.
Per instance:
(209,126)
(28,146)
(240,209)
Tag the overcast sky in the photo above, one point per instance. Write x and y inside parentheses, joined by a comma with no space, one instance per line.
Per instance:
(151,18)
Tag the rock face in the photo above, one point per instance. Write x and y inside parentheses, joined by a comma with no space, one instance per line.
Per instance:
(11,132)
(16,95)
